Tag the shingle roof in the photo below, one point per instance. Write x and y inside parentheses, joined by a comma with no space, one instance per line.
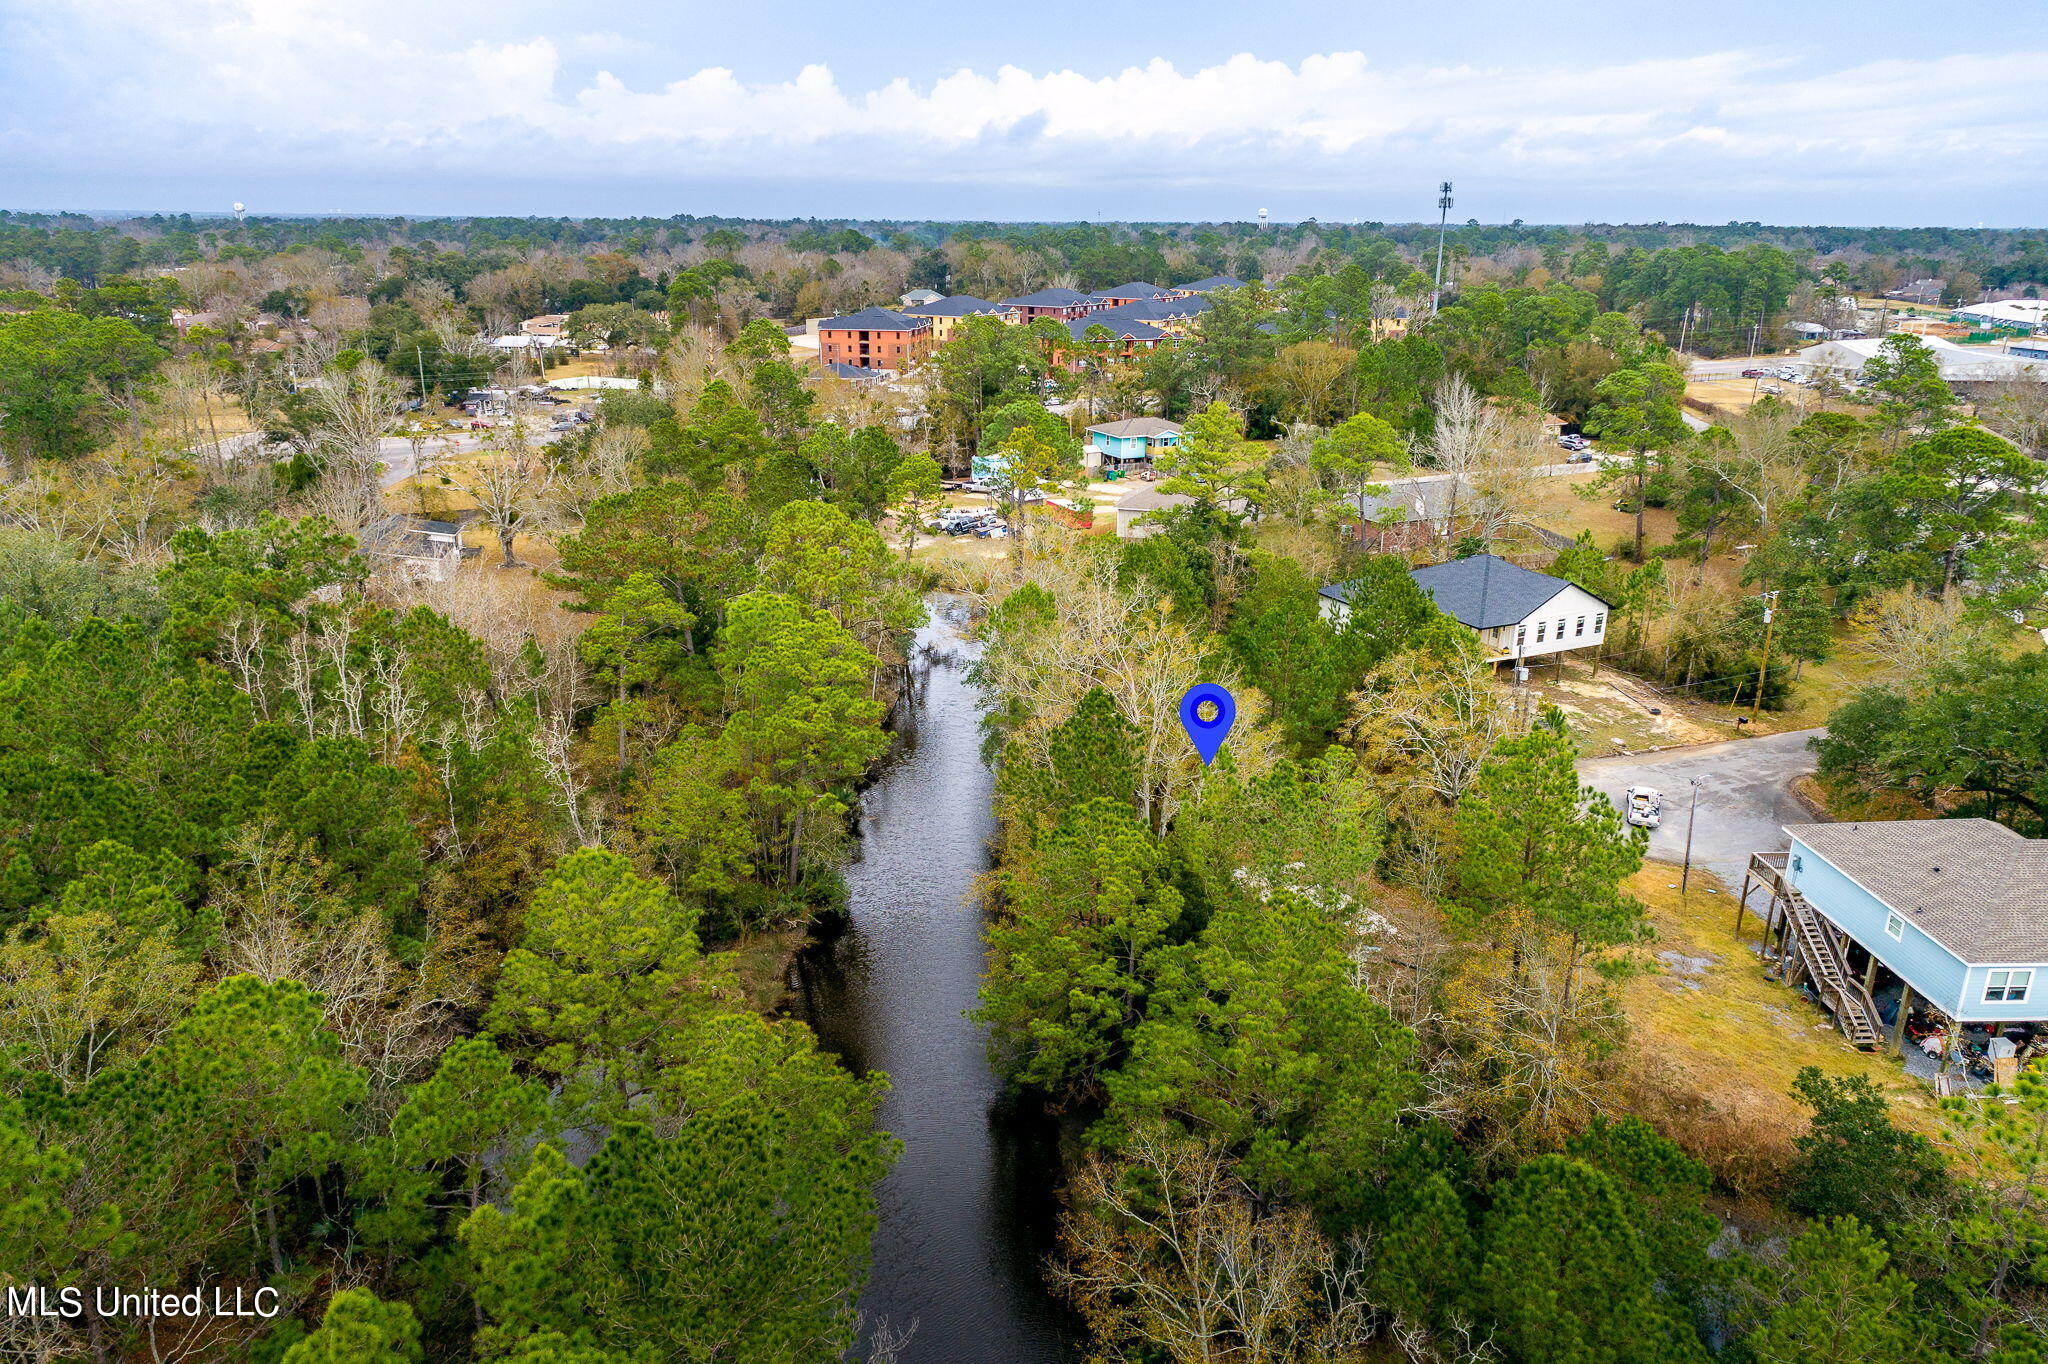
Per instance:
(1047,298)
(1139,426)
(1121,327)
(844,371)
(1135,289)
(1973,885)
(1485,590)
(1156,309)
(1403,495)
(407,535)
(875,320)
(1214,282)
(1151,499)
(955,305)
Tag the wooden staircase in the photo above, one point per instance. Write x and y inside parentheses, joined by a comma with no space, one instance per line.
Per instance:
(1820,956)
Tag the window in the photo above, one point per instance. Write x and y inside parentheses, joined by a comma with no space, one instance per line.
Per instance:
(1560,627)
(2009,986)
(1580,628)
(1894,928)
(1599,622)
(1521,637)
(1540,627)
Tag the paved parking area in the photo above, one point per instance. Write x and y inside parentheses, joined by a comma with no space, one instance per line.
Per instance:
(1743,800)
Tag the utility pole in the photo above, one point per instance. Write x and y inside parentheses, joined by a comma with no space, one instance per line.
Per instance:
(1443,222)
(421,361)
(1685,875)
(1770,602)
(1521,681)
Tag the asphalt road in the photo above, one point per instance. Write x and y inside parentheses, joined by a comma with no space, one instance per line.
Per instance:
(1743,801)
(1733,366)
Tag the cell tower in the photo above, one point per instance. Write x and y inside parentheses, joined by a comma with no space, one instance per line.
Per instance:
(1443,221)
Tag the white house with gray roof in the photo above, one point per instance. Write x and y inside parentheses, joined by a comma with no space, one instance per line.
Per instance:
(1517,612)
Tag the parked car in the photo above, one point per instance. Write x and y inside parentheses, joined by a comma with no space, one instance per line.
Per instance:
(1643,806)
(1755,373)
(1787,372)
(1580,456)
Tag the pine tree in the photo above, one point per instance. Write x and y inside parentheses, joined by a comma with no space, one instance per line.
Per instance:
(351,808)
(735,1239)
(1835,1297)
(449,1125)
(804,721)
(1533,841)
(1566,1278)
(135,892)
(1423,1270)
(1665,1192)
(605,981)
(272,1096)
(1258,1036)
(1069,959)
(1090,755)
(636,638)
(361,1328)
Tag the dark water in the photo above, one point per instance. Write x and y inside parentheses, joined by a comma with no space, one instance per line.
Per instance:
(968,1212)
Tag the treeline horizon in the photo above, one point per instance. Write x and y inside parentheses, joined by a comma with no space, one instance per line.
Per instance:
(1476,237)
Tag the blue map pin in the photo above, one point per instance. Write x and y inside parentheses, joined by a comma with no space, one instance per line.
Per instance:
(1207,735)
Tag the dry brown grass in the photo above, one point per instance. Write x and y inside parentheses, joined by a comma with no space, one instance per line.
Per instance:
(1716,1044)
(1558,504)
(761,964)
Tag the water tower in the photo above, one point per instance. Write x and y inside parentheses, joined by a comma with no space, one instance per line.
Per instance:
(239,206)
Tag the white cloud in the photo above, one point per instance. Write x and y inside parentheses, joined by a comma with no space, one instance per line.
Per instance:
(378,85)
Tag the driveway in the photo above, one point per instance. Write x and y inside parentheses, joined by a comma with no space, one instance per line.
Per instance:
(1743,800)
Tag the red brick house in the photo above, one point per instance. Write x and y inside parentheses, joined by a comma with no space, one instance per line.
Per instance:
(1061,304)
(1125,342)
(874,338)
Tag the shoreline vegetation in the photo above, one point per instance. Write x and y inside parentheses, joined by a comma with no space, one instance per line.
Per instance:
(416,780)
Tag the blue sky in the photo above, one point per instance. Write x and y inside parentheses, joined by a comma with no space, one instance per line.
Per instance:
(1816,111)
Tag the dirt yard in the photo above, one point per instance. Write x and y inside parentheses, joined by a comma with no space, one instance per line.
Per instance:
(1612,714)
(1717,1044)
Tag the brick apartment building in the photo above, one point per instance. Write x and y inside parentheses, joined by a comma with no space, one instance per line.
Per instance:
(874,338)
(1063,305)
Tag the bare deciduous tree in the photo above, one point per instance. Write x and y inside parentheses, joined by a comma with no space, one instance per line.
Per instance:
(2019,412)
(283,924)
(1460,441)
(1132,647)
(1906,636)
(1166,1250)
(1430,717)
(357,406)
(513,486)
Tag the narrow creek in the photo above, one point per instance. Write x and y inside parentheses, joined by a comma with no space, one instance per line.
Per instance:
(968,1213)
